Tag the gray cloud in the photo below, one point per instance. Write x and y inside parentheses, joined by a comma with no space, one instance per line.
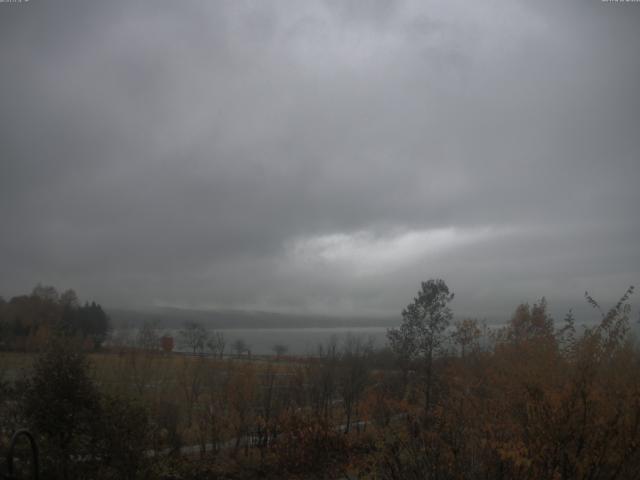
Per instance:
(320,156)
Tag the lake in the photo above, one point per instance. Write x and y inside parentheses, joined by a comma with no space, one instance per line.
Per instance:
(299,341)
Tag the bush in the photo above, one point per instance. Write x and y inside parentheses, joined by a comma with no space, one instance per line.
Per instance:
(82,433)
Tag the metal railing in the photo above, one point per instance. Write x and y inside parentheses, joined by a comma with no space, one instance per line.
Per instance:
(35,468)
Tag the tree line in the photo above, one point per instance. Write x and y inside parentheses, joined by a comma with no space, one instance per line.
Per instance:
(29,322)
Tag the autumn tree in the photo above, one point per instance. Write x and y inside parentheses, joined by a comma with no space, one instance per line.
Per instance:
(466,334)
(530,323)
(29,321)
(421,334)
(167,343)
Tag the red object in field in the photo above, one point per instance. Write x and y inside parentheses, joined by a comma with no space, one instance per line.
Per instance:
(167,343)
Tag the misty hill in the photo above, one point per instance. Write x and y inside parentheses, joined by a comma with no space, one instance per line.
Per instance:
(168,317)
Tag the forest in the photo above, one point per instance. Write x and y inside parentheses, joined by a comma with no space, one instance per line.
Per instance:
(446,398)
(28,322)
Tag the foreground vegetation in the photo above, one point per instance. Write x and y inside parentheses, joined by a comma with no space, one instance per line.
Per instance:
(446,400)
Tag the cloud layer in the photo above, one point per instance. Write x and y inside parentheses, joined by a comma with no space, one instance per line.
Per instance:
(320,156)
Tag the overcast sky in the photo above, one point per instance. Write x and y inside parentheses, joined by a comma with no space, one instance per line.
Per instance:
(320,157)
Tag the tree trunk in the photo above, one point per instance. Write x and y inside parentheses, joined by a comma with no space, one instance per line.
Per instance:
(428,385)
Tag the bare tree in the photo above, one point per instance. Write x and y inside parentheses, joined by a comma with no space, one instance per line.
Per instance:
(322,379)
(241,393)
(191,380)
(194,336)
(270,404)
(148,338)
(213,417)
(216,344)
(354,375)
(279,349)
(240,347)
